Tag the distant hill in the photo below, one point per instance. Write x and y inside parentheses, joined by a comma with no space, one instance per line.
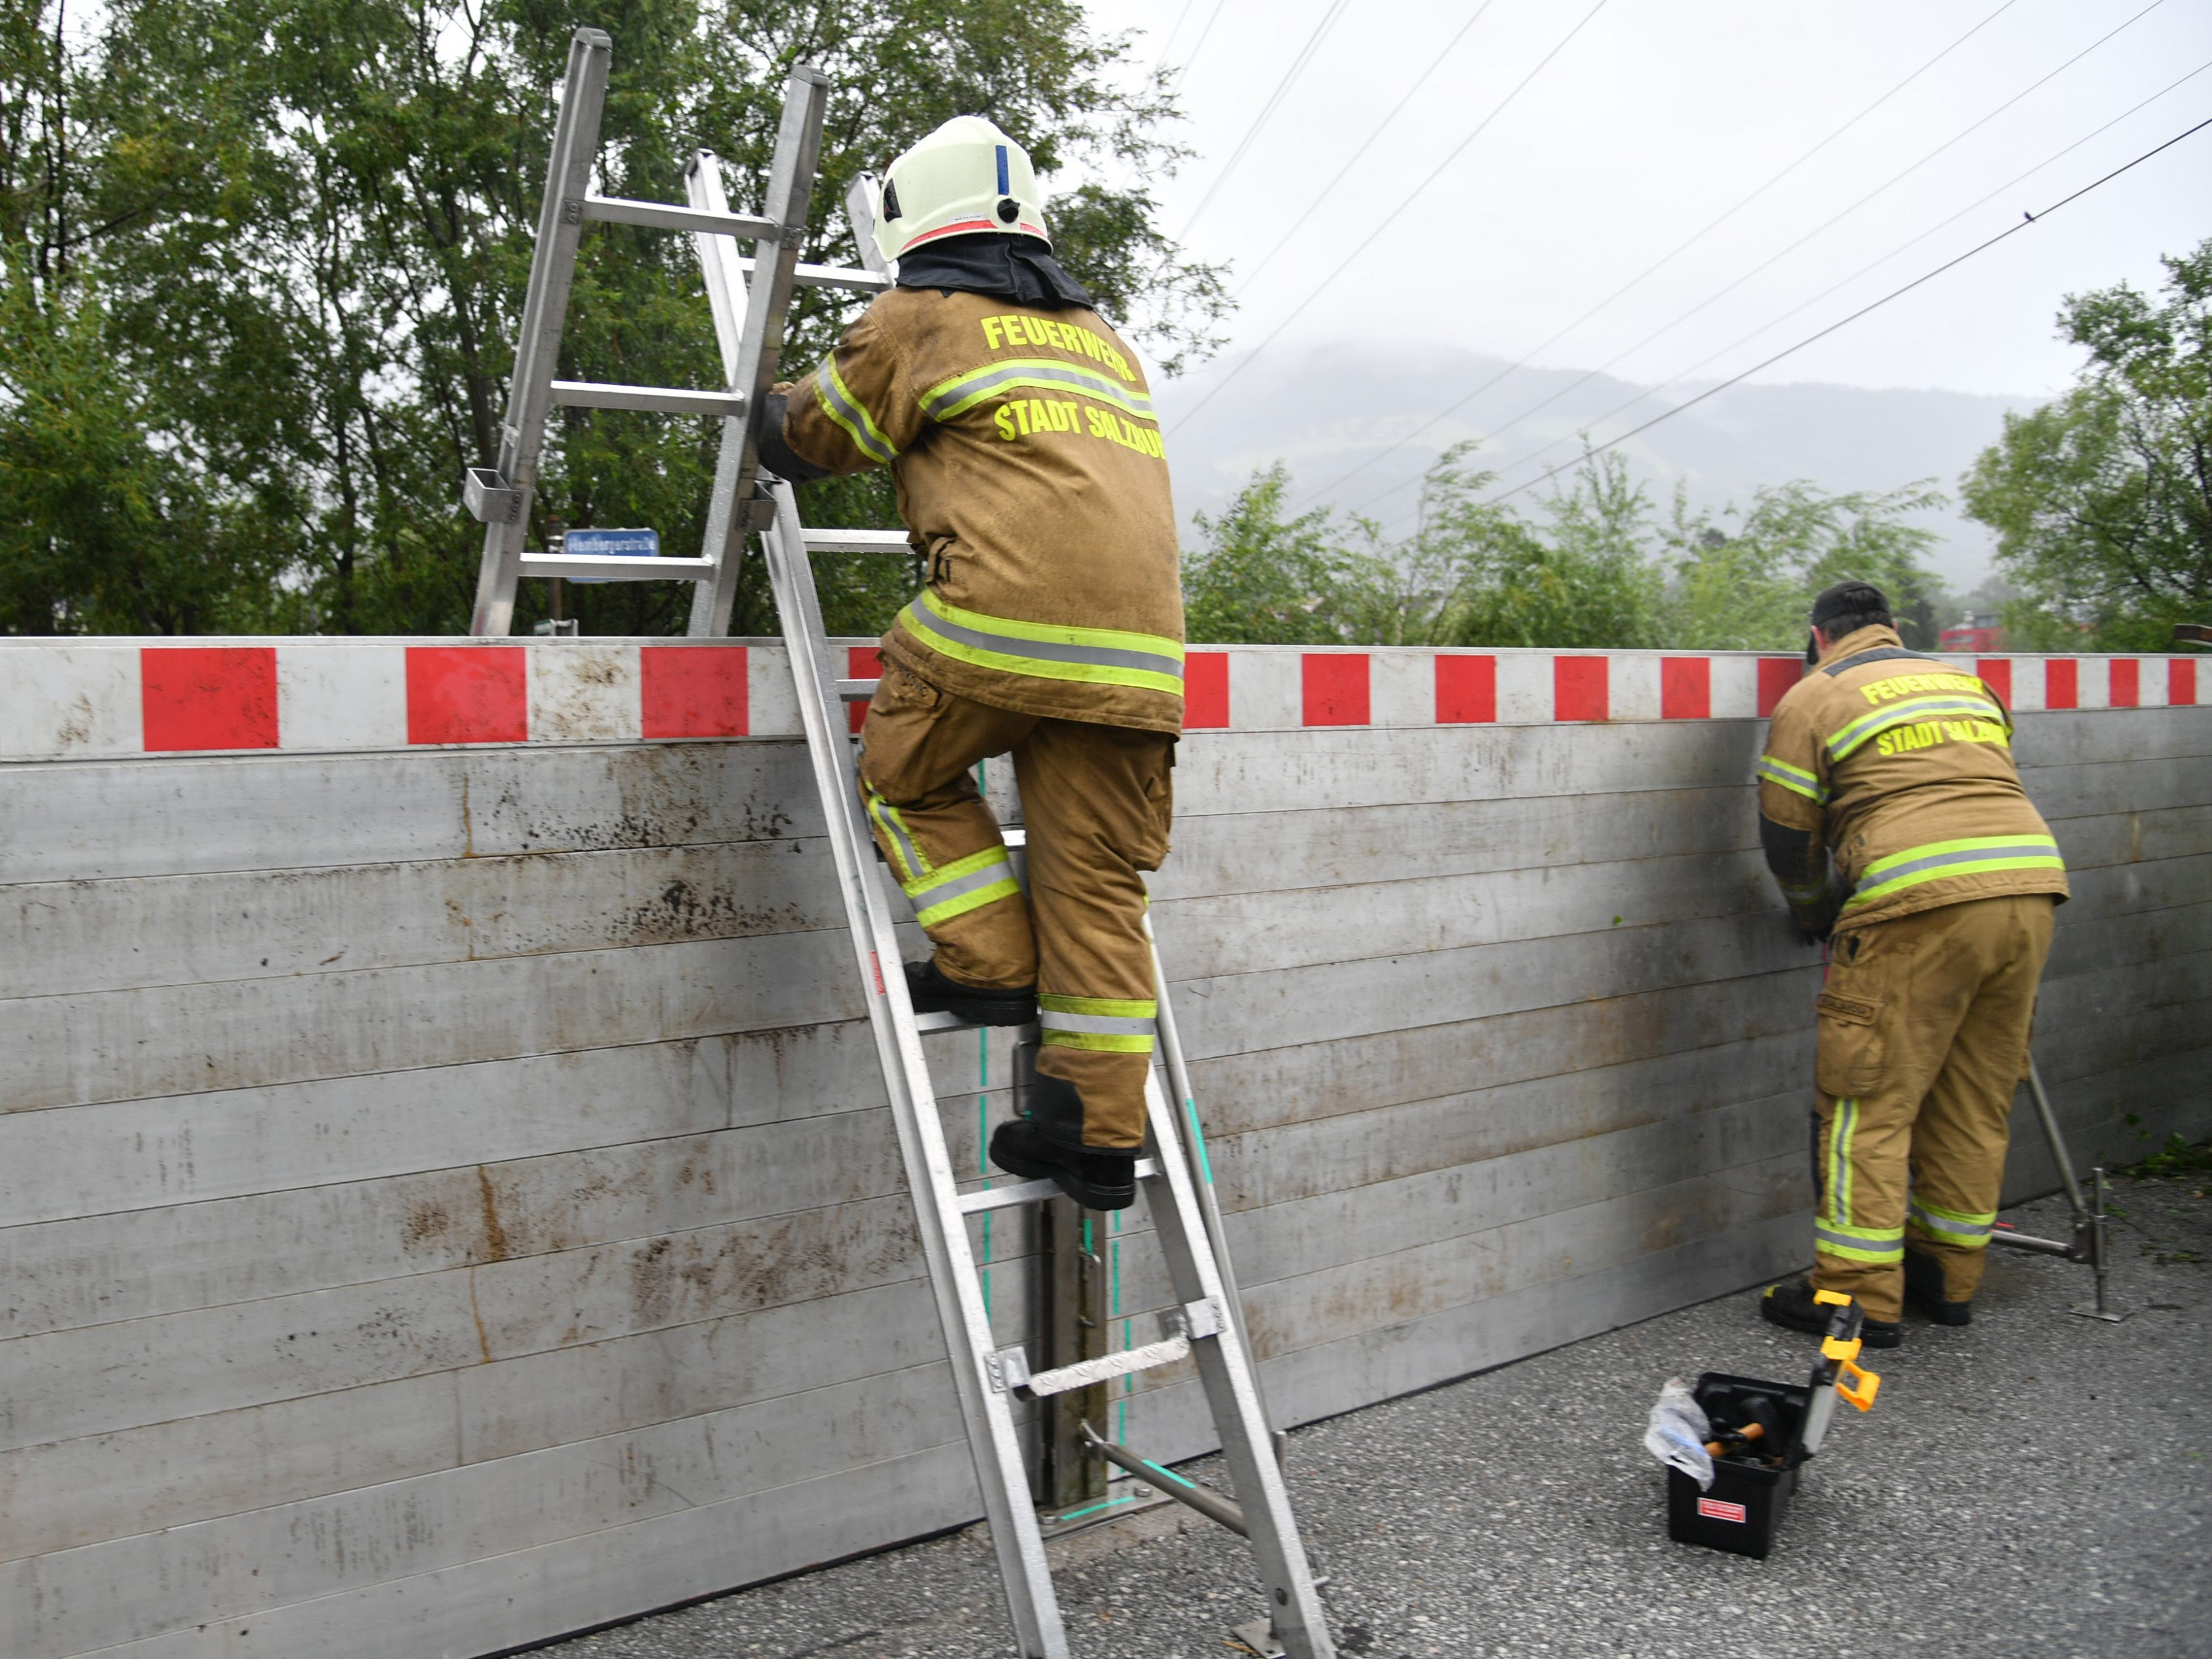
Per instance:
(1324,408)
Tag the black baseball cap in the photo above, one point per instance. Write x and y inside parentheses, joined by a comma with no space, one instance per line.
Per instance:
(1847,599)
(1843,599)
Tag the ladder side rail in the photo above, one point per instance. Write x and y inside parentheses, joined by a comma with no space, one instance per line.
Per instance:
(1224,1370)
(1201,1170)
(704,188)
(727,298)
(999,1468)
(760,350)
(544,314)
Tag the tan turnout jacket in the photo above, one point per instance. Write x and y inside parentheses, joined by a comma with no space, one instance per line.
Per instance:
(1902,769)
(1031,477)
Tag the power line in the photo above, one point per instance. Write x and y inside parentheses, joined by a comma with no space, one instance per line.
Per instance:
(1368,241)
(1436,62)
(1664,259)
(1712,299)
(2026,221)
(1775,322)
(1167,40)
(1335,10)
(1198,45)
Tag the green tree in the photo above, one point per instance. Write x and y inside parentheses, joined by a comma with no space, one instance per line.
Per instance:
(1750,587)
(1585,576)
(1261,579)
(2101,500)
(283,243)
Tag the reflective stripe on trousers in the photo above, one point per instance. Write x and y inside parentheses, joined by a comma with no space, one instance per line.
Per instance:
(1834,1231)
(1111,1024)
(1954,1227)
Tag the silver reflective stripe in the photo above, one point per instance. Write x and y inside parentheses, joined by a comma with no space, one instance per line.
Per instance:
(1098,1022)
(934,890)
(1943,1224)
(1010,645)
(1855,735)
(1859,1241)
(910,855)
(1965,855)
(960,391)
(860,426)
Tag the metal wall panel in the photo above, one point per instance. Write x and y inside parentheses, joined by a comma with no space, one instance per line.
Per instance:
(446,1199)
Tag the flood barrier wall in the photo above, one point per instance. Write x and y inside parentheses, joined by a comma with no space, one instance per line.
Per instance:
(446,1199)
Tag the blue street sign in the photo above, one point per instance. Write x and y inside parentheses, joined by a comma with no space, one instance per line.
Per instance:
(610,544)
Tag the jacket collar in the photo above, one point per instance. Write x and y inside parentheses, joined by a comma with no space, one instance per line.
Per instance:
(1018,268)
(1862,639)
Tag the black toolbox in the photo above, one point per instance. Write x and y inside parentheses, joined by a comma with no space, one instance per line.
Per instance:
(1749,1496)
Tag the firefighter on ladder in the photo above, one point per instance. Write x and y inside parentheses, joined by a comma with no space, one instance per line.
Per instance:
(1020,434)
(1938,913)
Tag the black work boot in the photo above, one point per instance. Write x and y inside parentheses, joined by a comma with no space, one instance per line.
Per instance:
(1791,1303)
(1923,1288)
(1096,1177)
(933,993)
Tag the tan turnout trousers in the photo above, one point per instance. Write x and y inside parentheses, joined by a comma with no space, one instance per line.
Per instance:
(1923,1034)
(1097,801)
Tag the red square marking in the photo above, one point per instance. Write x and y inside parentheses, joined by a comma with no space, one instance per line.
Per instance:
(1335,688)
(1466,690)
(2181,680)
(1205,690)
(1685,688)
(2126,683)
(1776,675)
(1996,673)
(862,662)
(1579,689)
(694,692)
(2062,682)
(468,694)
(1714,1508)
(209,697)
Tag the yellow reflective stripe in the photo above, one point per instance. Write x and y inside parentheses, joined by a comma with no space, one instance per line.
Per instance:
(1112,1043)
(966,884)
(1874,1247)
(1105,1007)
(948,398)
(1046,651)
(839,403)
(1840,1126)
(913,863)
(1910,712)
(1792,777)
(1966,1230)
(1975,855)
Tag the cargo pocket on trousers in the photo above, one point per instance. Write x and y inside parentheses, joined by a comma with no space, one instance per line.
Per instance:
(1159,803)
(1847,1061)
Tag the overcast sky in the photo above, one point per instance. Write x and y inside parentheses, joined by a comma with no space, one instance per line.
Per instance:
(1655,118)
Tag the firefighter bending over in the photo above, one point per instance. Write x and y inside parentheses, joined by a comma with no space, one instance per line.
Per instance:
(1939,901)
(1020,434)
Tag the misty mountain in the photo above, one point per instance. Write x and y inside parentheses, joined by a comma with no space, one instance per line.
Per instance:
(1324,409)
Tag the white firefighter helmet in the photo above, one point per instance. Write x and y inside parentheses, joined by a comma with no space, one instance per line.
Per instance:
(967,176)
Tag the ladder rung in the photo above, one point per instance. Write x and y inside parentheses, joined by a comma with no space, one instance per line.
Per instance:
(1032,1192)
(667,215)
(856,690)
(851,278)
(584,566)
(858,541)
(1085,1372)
(654,399)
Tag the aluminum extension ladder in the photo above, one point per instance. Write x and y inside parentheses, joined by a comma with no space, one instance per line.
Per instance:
(1206,1323)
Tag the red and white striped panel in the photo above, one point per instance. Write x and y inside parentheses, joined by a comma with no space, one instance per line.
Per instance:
(93,699)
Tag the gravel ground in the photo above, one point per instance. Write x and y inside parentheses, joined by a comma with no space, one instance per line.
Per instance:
(2034,1484)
